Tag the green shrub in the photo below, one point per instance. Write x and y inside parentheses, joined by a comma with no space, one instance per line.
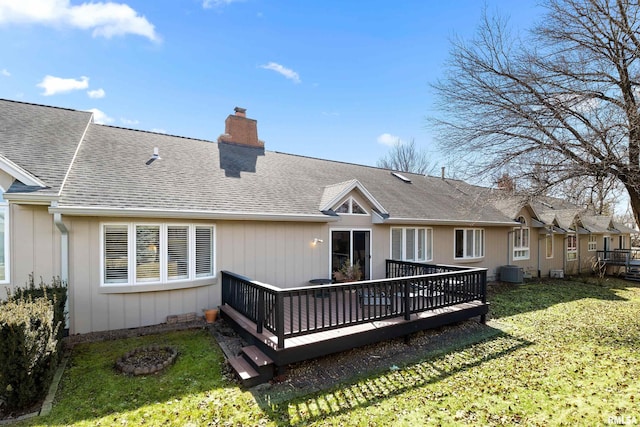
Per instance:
(56,292)
(28,355)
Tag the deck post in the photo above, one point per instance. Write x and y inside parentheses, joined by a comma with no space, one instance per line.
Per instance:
(261,304)
(407,299)
(225,288)
(280,318)
(483,290)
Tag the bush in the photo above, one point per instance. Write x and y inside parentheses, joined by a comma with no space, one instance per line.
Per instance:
(56,292)
(28,355)
(32,324)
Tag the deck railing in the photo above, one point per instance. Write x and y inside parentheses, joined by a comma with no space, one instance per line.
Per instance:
(618,256)
(409,288)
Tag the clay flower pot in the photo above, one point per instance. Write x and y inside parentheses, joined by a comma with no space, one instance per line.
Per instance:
(211,315)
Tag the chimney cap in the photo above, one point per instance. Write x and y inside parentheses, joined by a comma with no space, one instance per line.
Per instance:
(240,110)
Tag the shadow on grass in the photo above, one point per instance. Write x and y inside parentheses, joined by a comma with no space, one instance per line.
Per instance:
(434,366)
(92,388)
(511,299)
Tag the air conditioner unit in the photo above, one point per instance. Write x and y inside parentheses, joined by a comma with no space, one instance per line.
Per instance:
(511,274)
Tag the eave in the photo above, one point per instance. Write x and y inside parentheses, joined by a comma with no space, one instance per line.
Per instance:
(188,214)
(466,223)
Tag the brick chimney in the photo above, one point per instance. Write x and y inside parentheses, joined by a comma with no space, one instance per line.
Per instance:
(238,129)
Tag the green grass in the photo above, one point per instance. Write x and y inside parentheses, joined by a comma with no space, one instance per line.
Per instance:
(554,353)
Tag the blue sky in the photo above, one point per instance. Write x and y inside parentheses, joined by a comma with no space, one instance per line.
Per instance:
(333,79)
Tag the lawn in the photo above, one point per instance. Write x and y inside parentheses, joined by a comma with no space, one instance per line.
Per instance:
(559,353)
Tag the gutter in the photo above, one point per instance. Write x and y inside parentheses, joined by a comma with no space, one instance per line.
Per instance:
(64,259)
(194,214)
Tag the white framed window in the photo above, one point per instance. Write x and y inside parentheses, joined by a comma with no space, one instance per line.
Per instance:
(548,243)
(352,207)
(4,239)
(521,241)
(592,244)
(468,243)
(621,242)
(412,244)
(147,253)
(572,247)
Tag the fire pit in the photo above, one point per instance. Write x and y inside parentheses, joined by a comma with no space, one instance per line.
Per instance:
(146,360)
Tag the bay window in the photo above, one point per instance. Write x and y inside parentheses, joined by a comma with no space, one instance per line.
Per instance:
(135,253)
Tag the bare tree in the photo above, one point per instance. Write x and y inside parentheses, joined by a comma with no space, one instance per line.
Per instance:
(558,105)
(405,157)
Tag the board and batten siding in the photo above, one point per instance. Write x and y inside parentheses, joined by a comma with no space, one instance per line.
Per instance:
(92,309)
(281,254)
(34,245)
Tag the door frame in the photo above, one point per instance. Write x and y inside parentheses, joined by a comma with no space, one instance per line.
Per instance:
(350,230)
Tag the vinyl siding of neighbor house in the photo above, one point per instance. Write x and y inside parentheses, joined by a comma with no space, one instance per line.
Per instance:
(34,245)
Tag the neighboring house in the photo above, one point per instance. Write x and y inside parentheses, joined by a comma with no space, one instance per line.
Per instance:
(140,224)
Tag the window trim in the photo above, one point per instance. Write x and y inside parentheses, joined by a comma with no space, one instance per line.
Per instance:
(592,243)
(164,282)
(465,256)
(351,200)
(572,251)
(428,240)
(521,252)
(549,238)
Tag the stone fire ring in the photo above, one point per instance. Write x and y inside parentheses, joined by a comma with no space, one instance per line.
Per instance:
(146,360)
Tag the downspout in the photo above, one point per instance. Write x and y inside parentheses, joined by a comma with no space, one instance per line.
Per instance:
(64,259)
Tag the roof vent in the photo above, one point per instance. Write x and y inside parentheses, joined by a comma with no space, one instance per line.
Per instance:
(155,156)
(401,177)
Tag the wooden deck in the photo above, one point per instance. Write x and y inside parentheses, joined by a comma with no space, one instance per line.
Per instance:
(295,324)
(306,323)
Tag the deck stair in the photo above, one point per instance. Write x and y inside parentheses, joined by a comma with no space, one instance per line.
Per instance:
(632,272)
(252,366)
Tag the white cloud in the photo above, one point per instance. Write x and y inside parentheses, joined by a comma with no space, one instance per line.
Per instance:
(388,139)
(156,130)
(5,72)
(54,85)
(96,94)
(208,4)
(100,117)
(128,122)
(286,72)
(105,19)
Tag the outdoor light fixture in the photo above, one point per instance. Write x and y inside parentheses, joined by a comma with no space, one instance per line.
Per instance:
(316,241)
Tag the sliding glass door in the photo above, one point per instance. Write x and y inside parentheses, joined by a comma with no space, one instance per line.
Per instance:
(351,247)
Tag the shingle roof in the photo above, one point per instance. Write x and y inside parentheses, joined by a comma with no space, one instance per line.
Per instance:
(41,140)
(110,171)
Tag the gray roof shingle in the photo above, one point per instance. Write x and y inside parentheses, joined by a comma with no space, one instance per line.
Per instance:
(111,171)
(41,140)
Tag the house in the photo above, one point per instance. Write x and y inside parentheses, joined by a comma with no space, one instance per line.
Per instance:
(141,225)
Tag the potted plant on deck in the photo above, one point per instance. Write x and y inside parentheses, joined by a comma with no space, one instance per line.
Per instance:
(348,272)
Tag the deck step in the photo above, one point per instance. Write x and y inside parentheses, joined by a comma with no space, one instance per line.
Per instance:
(247,374)
(253,366)
(257,357)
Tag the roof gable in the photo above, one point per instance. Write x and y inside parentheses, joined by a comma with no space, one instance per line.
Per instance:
(334,194)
